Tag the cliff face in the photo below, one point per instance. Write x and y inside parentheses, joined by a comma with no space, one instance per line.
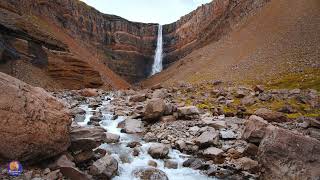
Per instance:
(67,44)
(125,47)
(206,24)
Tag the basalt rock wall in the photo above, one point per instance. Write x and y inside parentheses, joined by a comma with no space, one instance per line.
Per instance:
(125,47)
(206,24)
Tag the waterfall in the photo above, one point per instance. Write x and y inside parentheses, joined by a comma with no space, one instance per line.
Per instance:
(157,64)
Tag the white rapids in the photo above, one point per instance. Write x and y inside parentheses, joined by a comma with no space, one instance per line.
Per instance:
(120,149)
(157,64)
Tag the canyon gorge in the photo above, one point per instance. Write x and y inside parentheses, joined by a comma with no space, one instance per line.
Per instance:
(228,91)
(75,38)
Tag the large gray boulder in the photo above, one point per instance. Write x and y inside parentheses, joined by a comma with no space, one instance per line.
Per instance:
(68,169)
(207,138)
(150,174)
(254,129)
(132,126)
(158,151)
(285,155)
(104,168)
(87,138)
(154,109)
(271,116)
(188,112)
(34,125)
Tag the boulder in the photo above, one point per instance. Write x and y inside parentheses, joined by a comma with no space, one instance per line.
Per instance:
(104,168)
(170,109)
(150,174)
(138,97)
(193,163)
(228,134)
(213,153)
(160,93)
(112,138)
(167,119)
(53,175)
(156,86)
(132,126)
(89,92)
(83,157)
(134,144)
(79,117)
(248,100)
(154,109)
(254,129)
(240,93)
(271,116)
(258,88)
(311,122)
(215,124)
(245,164)
(68,169)
(170,164)
(136,151)
(86,138)
(250,150)
(158,151)
(207,138)
(188,112)
(220,173)
(180,145)
(152,163)
(314,132)
(285,155)
(34,125)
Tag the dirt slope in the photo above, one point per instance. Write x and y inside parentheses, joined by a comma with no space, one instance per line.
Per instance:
(283,38)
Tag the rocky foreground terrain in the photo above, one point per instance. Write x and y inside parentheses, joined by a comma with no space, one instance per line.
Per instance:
(196,132)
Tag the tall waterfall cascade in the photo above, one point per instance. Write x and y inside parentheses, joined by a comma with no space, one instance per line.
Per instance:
(157,64)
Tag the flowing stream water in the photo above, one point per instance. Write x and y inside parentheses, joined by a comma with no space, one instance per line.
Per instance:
(120,149)
(157,64)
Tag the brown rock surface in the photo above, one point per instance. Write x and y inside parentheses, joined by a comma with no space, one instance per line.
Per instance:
(154,109)
(271,116)
(285,154)
(34,124)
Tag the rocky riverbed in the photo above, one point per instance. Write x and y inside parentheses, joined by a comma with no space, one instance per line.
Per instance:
(185,132)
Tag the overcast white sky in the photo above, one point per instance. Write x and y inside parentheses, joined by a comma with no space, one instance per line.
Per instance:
(148,11)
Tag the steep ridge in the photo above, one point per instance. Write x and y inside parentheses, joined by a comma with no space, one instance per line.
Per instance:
(279,40)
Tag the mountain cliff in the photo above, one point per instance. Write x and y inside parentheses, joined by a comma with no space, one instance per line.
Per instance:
(206,24)
(275,44)
(79,46)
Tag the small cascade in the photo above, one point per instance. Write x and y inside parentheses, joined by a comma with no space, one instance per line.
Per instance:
(157,65)
(120,150)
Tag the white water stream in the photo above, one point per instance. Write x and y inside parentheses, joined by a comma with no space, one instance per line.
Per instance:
(121,149)
(157,64)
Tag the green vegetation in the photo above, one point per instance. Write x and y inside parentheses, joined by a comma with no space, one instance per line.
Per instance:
(310,78)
